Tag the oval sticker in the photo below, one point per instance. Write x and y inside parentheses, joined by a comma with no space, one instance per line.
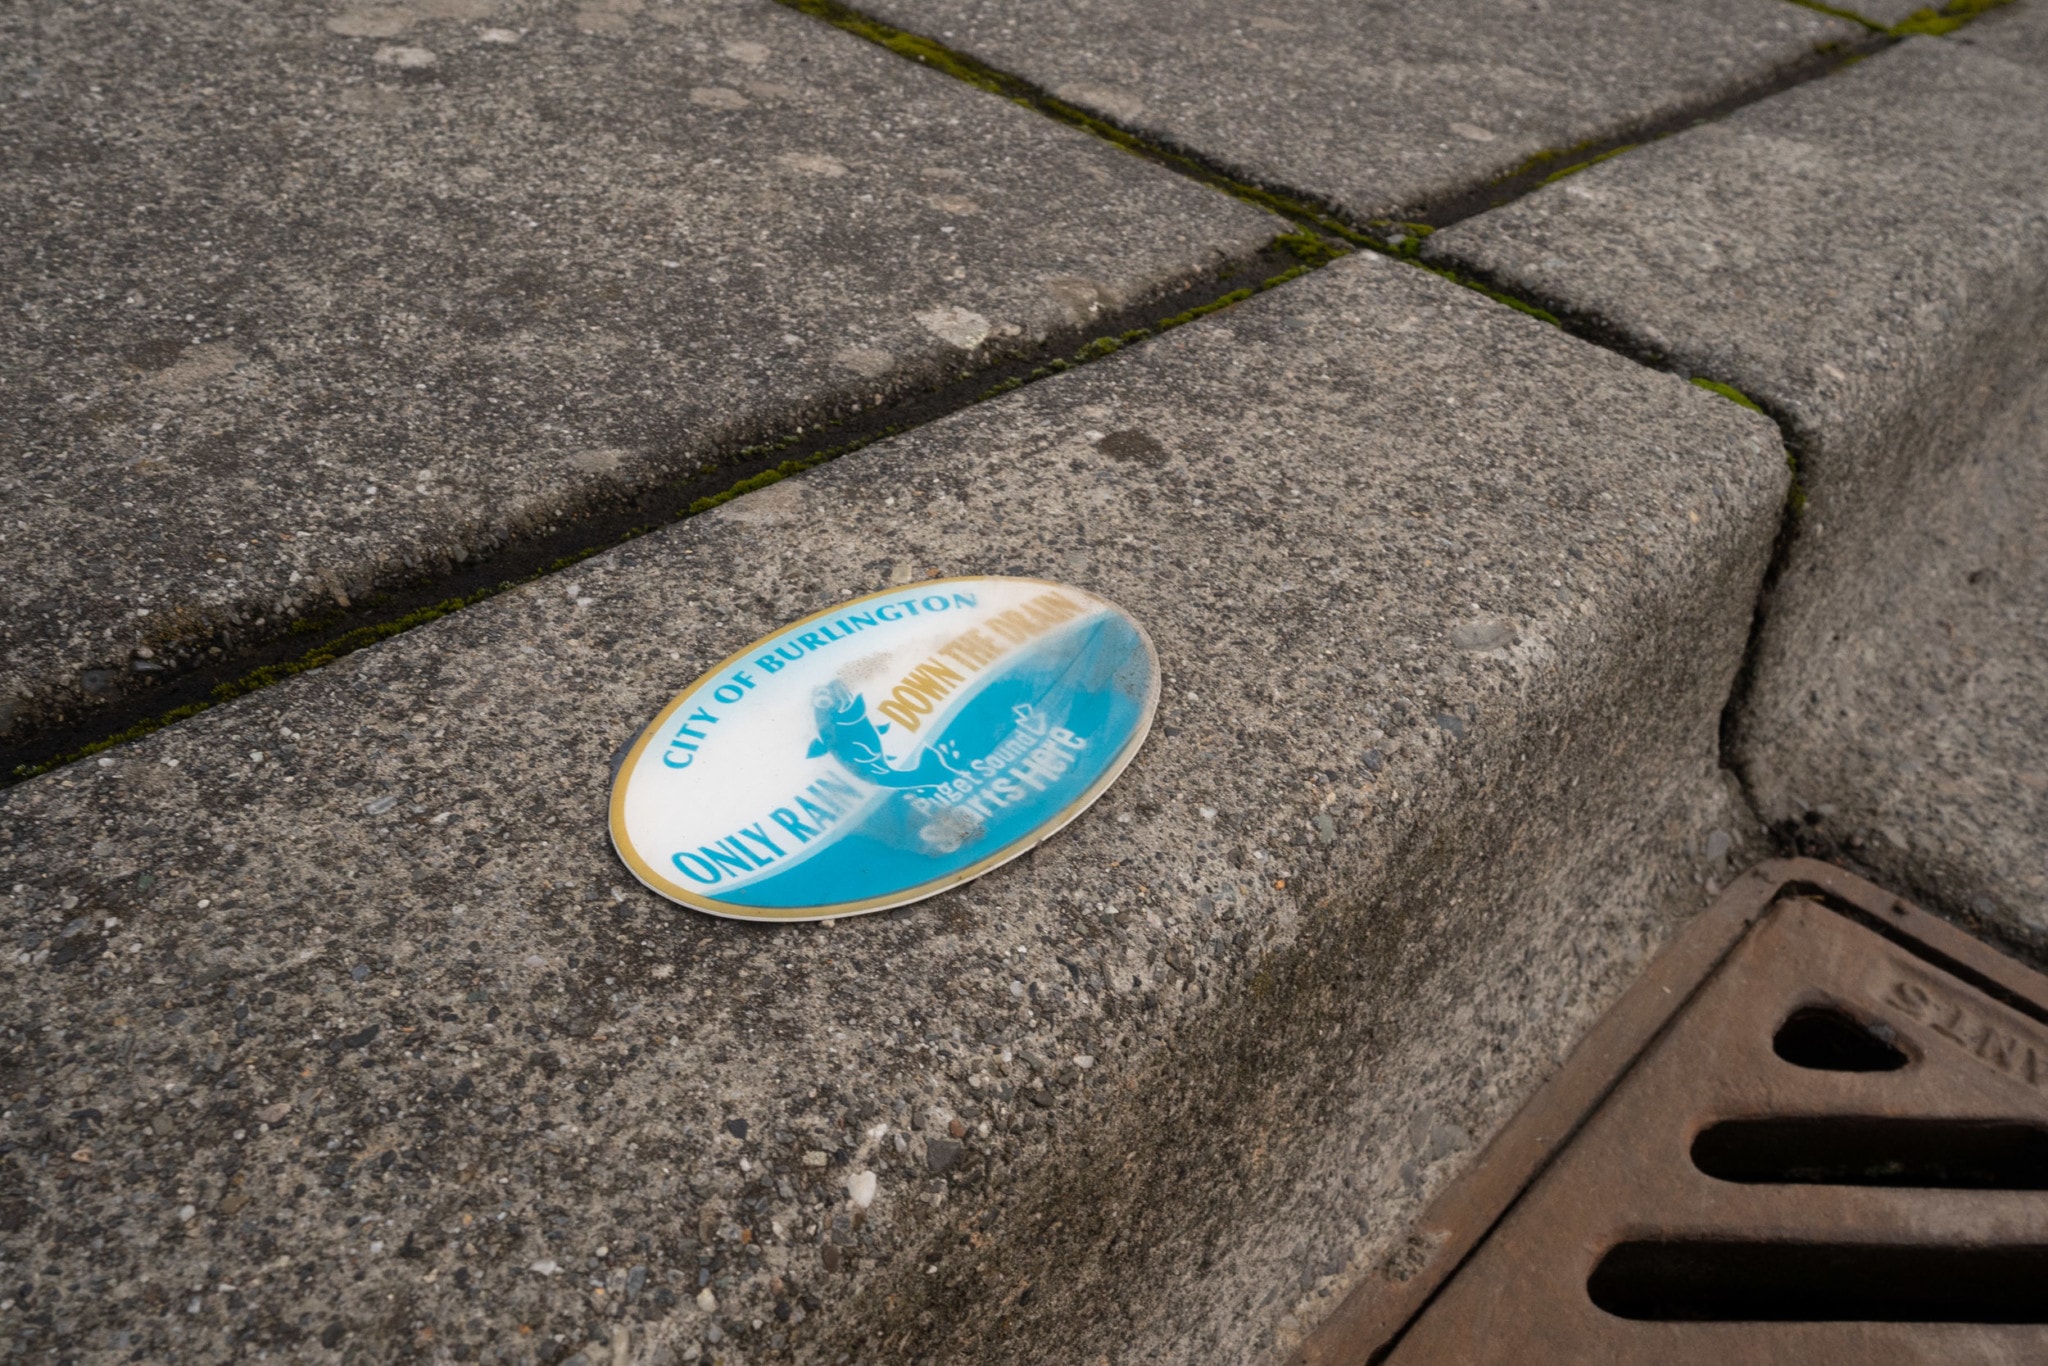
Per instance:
(885,749)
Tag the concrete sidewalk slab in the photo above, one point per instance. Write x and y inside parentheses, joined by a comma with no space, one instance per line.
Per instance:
(385,1043)
(1376,110)
(1868,257)
(308,299)
(2017,32)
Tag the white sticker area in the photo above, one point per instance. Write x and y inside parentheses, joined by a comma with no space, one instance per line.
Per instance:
(885,749)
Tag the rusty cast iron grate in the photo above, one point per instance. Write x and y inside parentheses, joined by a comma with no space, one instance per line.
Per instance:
(1817,1130)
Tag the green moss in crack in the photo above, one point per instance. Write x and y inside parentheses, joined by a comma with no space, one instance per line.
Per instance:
(1497,295)
(1235,296)
(324,622)
(909,45)
(1579,166)
(1543,315)
(1310,249)
(324,653)
(318,656)
(1727,391)
(1547,159)
(1950,17)
(782,472)
(349,642)
(1399,238)
(1386,229)
(1795,493)
(134,732)
(747,485)
(755,452)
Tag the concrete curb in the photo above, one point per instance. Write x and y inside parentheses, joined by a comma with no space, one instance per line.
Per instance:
(353,1011)
(1867,257)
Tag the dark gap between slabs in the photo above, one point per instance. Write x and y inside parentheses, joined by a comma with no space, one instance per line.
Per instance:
(806,440)
(1764,1282)
(1875,1150)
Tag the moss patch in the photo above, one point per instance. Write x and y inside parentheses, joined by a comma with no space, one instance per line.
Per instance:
(1579,166)
(1309,248)
(1947,19)
(1729,392)
(1497,295)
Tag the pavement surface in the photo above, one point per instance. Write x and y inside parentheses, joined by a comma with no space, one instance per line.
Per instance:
(307,300)
(331,1027)
(1804,250)
(1380,110)
(386,1049)
(2017,32)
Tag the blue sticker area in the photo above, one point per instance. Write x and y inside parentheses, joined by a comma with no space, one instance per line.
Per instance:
(1027,744)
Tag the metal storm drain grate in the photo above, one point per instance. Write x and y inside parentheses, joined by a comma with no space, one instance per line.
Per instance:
(1816,1131)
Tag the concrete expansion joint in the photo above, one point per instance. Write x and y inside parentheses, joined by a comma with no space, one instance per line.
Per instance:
(809,444)
(1400,237)
(1302,208)
(1742,686)
(1323,235)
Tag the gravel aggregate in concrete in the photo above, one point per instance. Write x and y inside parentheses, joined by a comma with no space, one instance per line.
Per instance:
(333,1025)
(307,299)
(1377,109)
(1867,256)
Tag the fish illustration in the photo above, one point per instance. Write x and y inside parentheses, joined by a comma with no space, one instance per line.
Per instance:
(846,733)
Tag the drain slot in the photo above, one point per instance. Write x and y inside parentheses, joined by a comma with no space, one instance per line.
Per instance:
(1825,1039)
(1851,1150)
(1698,1282)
